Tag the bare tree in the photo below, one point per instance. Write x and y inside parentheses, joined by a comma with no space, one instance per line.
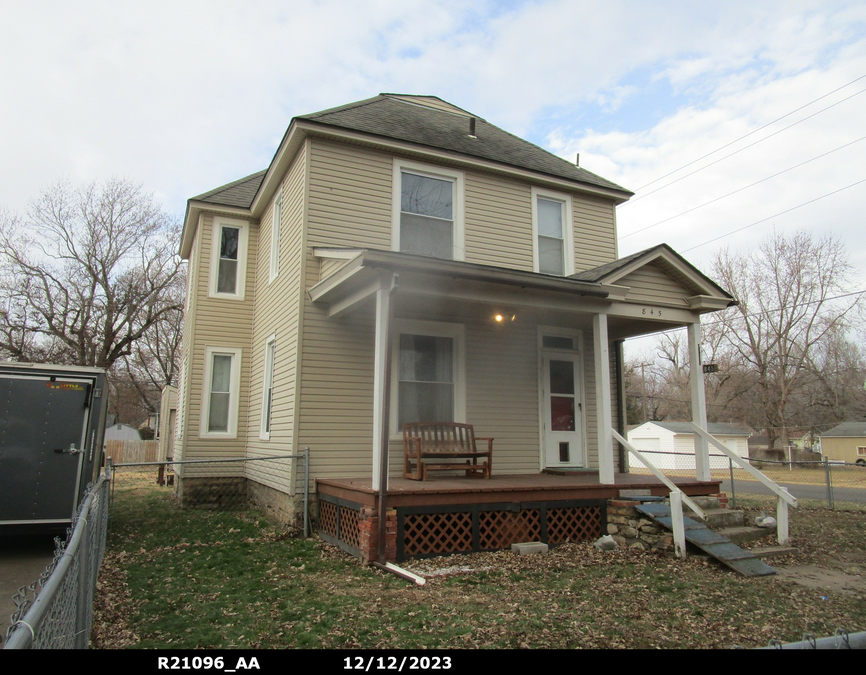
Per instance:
(87,274)
(789,306)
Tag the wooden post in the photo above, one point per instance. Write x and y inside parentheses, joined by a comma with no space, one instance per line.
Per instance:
(604,422)
(699,402)
(677,524)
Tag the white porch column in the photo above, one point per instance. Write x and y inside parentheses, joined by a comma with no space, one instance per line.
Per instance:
(381,383)
(604,420)
(699,402)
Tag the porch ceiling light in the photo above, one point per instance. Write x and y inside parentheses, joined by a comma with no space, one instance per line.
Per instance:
(501,317)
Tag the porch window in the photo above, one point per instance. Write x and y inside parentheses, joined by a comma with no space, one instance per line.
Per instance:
(220,405)
(229,258)
(427,383)
(553,245)
(428,211)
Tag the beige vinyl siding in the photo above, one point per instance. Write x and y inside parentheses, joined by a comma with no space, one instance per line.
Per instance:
(328,266)
(498,221)
(651,285)
(594,232)
(349,196)
(219,322)
(277,312)
(182,431)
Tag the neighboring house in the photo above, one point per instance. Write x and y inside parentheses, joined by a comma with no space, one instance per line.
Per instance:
(121,432)
(845,443)
(671,445)
(404,235)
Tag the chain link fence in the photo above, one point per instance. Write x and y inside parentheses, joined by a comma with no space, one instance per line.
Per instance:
(837,484)
(56,611)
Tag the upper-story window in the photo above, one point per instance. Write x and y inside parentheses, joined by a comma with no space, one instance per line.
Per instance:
(552,233)
(428,210)
(276,222)
(229,258)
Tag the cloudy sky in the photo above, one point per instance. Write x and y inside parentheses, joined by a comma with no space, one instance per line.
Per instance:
(185,96)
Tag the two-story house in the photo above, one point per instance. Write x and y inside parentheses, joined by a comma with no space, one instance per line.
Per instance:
(403,260)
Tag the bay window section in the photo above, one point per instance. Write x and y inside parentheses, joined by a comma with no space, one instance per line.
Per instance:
(229,258)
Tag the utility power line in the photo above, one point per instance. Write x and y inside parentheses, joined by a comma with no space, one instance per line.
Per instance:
(735,152)
(752,132)
(763,220)
(712,201)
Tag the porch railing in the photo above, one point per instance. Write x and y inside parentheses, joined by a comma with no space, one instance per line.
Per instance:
(783,497)
(658,474)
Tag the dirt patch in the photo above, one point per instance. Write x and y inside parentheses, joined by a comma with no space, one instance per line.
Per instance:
(822,578)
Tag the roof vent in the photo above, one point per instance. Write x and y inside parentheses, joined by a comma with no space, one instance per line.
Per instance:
(472,128)
(577,160)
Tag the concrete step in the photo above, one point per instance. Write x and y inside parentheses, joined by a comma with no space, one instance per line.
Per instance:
(743,534)
(772,551)
(717,518)
(706,502)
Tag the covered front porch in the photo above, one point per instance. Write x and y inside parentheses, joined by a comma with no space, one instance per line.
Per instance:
(461,515)
(531,360)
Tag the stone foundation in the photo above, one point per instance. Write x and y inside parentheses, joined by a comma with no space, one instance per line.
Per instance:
(634,530)
(212,492)
(280,507)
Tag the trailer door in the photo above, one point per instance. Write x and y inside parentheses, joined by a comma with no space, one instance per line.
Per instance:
(42,436)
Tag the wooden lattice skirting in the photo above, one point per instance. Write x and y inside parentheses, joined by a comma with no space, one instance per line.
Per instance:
(338,523)
(424,531)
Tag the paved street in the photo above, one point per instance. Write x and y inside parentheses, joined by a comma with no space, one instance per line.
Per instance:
(819,492)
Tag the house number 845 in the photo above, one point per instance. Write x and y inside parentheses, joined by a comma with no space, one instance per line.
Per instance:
(652,311)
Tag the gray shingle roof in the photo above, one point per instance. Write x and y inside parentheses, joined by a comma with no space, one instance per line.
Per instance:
(398,119)
(848,429)
(715,428)
(394,118)
(237,193)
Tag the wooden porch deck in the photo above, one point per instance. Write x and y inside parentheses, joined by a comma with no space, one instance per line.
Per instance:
(458,514)
(440,490)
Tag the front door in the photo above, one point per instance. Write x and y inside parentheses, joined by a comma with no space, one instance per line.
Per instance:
(562,424)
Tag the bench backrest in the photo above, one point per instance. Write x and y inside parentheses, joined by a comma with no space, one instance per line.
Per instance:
(441,437)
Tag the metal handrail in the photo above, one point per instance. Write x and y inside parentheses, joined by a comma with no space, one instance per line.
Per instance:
(658,474)
(771,485)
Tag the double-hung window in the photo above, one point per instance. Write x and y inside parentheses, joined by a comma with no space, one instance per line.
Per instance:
(222,381)
(552,231)
(229,258)
(268,388)
(427,373)
(276,222)
(428,210)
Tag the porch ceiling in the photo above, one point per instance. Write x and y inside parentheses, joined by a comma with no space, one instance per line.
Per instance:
(459,290)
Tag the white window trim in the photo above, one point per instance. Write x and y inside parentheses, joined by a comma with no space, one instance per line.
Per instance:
(243,246)
(436,329)
(234,391)
(276,225)
(441,173)
(270,360)
(567,226)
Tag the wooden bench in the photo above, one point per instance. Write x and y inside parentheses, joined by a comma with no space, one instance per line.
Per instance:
(443,445)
